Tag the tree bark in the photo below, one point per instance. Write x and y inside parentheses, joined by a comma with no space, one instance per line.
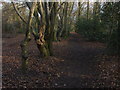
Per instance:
(88,10)
(79,9)
(25,42)
(65,33)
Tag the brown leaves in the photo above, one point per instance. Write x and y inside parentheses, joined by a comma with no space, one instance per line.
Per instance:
(74,64)
(108,66)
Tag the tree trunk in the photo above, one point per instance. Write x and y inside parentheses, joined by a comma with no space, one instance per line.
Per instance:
(51,26)
(41,43)
(65,31)
(79,9)
(118,29)
(24,44)
(88,10)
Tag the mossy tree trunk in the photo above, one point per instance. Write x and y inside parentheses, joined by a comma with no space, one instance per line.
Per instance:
(40,36)
(65,19)
(25,42)
(42,27)
(50,24)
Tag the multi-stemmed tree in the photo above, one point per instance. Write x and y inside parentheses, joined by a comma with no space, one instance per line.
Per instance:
(42,23)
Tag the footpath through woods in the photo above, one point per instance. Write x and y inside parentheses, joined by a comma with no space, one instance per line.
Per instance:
(80,66)
(75,63)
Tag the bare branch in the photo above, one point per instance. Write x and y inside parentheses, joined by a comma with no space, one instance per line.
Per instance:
(19,13)
(60,6)
(50,7)
(29,4)
(13,9)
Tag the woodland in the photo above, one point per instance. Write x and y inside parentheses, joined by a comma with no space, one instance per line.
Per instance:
(60,44)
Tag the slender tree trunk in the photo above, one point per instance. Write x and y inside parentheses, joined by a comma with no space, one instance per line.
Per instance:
(118,35)
(51,27)
(24,44)
(55,30)
(65,33)
(61,25)
(79,9)
(88,10)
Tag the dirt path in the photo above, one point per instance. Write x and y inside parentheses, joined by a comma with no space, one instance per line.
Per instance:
(79,66)
(74,64)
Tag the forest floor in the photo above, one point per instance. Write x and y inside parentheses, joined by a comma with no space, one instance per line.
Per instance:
(76,63)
